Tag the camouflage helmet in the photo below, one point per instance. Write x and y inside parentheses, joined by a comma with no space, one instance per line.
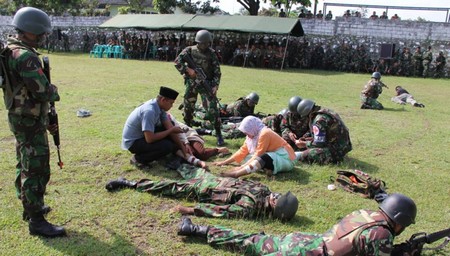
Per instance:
(203,36)
(304,107)
(376,75)
(253,97)
(286,207)
(293,103)
(400,209)
(32,20)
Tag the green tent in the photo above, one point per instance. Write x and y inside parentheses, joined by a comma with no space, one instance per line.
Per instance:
(248,24)
(148,21)
(186,22)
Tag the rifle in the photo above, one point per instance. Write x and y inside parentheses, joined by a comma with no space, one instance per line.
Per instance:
(52,115)
(231,119)
(201,78)
(414,245)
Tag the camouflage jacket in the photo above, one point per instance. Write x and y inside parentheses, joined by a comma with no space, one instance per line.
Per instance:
(292,122)
(26,76)
(208,61)
(362,232)
(240,108)
(372,89)
(328,130)
(427,56)
(232,198)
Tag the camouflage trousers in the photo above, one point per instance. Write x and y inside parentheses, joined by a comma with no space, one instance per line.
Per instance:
(370,103)
(317,155)
(261,244)
(194,181)
(190,98)
(33,156)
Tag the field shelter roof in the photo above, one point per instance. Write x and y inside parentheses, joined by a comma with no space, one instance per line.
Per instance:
(235,23)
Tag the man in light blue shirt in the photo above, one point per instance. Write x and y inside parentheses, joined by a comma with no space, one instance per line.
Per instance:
(148,132)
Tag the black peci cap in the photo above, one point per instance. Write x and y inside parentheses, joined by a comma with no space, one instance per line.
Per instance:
(168,93)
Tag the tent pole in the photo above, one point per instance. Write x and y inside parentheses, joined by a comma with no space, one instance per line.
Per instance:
(248,42)
(146,47)
(285,50)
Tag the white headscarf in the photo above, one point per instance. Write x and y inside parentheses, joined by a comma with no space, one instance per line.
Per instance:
(251,126)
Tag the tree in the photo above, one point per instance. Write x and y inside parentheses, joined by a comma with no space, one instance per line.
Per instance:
(136,5)
(252,6)
(289,3)
(187,6)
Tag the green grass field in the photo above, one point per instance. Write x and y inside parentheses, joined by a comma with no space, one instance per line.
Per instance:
(406,147)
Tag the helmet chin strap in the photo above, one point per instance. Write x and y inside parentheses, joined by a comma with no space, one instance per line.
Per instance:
(33,41)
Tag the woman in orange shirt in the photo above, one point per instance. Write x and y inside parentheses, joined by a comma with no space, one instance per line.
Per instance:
(262,149)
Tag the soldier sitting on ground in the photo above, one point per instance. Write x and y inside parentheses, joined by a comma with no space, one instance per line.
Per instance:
(330,140)
(404,97)
(371,91)
(220,197)
(242,107)
(363,232)
(293,126)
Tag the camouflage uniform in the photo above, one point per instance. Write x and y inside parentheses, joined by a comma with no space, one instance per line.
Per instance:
(331,138)
(210,64)
(28,120)
(417,62)
(440,64)
(370,93)
(273,122)
(219,197)
(238,108)
(427,58)
(293,123)
(406,60)
(362,232)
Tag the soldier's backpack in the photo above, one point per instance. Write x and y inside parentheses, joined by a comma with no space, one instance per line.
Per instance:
(361,183)
(5,83)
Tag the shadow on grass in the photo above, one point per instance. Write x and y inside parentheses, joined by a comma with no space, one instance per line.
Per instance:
(401,109)
(297,175)
(353,163)
(82,243)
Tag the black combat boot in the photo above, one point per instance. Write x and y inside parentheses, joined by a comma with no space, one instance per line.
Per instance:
(45,209)
(119,184)
(38,225)
(187,228)
(220,141)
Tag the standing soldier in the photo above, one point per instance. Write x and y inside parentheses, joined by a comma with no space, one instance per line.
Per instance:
(417,62)
(27,96)
(330,138)
(427,58)
(205,58)
(244,106)
(219,197)
(362,232)
(293,126)
(406,60)
(440,64)
(371,91)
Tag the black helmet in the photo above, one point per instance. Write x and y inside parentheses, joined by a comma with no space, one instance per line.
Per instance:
(32,20)
(400,209)
(304,107)
(293,103)
(253,97)
(283,112)
(286,207)
(376,75)
(203,36)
